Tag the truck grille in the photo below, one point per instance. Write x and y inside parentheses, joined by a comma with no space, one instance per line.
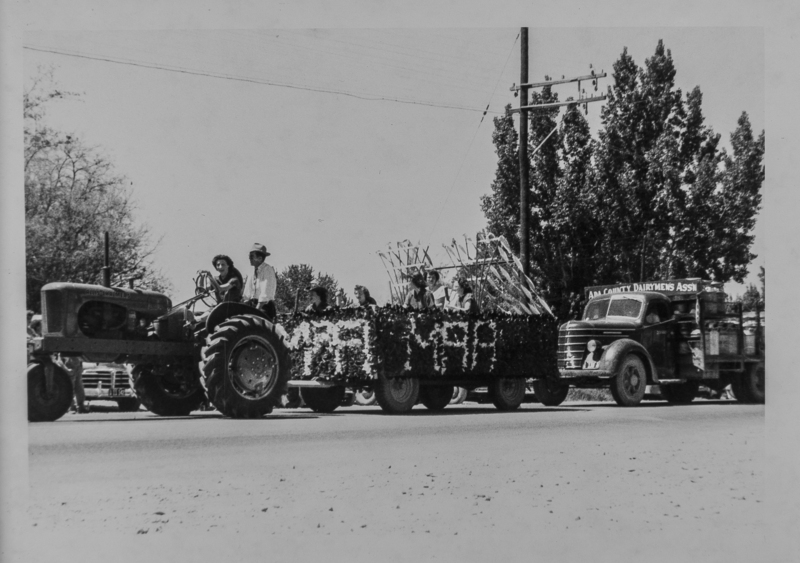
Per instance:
(572,343)
(99,378)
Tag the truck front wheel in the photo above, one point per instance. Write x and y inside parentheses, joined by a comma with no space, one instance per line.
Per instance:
(436,397)
(247,367)
(507,394)
(550,393)
(44,405)
(680,393)
(628,385)
(397,395)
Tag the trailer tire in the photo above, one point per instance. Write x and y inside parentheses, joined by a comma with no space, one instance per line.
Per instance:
(366,397)
(629,383)
(323,399)
(459,395)
(550,393)
(129,404)
(247,367)
(436,397)
(163,396)
(750,385)
(396,395)
(507,394)
(41,406)
(680,393)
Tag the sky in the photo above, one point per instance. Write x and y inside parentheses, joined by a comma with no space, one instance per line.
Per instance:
(328,144)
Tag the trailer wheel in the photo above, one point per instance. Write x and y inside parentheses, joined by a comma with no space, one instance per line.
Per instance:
(366,397)
(247,367)
(397,395)
(169,391)
(628,385)
(507,394)
(129,404)
(44,406)
(680,393)
(323,399)
(750,386)
(459,395)
(550,393)
(436,397)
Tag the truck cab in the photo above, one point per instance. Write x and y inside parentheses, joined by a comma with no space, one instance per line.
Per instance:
(674,334)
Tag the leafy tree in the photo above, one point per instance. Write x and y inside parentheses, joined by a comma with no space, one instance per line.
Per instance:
(653,196)
(296,280)
(72,196)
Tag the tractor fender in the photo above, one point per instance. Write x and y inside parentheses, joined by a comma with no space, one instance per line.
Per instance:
(229,309)
(617,351)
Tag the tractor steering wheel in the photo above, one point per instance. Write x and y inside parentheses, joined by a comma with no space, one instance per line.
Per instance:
(203,286)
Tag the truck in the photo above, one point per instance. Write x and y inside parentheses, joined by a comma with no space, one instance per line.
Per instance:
(110,382)
(676,334)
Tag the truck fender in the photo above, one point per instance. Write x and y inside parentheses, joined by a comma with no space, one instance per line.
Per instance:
(615,353)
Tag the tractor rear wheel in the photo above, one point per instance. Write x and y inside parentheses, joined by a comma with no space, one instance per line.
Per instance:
(247,367)
(168,390)
(323,399)
(507,393)
(436,397)
(44,406)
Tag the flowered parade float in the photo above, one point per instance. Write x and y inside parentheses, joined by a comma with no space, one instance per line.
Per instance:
(408,356)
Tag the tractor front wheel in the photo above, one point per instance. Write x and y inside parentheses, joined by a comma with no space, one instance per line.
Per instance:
(550,393)
(323,399)
(436,397)
(48,405)
(168,390)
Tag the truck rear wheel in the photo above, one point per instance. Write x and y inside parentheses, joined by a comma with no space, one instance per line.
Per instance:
(550,393)
(323,399)
(507,394)
(628,385)
(247,367)
(436,397)
(751,385)
(680,393)
(168,391)
(44,406)
(397,395)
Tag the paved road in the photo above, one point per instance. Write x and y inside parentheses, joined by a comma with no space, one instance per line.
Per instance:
(589,481)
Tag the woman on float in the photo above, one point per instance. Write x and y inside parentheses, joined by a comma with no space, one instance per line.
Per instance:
(466,301)
(363,297)
(418,296)
(439,291)
(319,300)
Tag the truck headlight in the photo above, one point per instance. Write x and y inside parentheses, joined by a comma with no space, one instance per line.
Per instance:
(592,345)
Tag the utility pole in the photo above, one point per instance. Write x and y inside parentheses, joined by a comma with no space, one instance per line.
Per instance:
(524,108)
(523,154)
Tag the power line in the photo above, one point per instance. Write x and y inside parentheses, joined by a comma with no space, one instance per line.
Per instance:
(460,166)
(250,80)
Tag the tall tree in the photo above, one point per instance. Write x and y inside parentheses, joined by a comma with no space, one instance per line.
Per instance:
(654,196)
(72,196)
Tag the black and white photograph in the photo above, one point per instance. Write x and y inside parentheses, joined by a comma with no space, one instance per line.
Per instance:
(353,288)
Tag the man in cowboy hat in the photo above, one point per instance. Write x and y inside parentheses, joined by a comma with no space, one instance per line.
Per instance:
(260,290)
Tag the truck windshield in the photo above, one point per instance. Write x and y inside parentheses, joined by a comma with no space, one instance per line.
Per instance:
(616,306)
